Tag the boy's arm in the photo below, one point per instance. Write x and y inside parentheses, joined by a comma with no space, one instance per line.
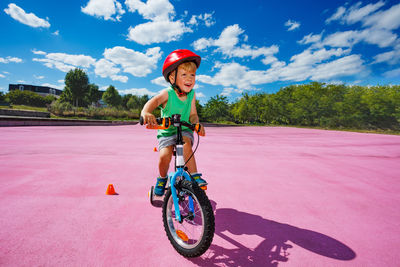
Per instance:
(194,117)
(151,105)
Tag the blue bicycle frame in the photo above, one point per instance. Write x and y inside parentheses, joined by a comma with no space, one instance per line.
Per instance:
(179,172)
(180,163)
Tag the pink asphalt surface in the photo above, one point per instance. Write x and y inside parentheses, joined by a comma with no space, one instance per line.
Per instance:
(282,197)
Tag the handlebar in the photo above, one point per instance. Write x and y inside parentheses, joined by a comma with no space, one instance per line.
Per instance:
(175,120)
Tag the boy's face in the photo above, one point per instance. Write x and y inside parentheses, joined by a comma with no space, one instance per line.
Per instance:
(185,79)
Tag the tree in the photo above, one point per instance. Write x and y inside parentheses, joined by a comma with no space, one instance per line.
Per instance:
(112,97)
(77,82)
(94,94)
(143,100)
(125,100)
(199,109)
(133,102)
(217,109)
(2,97)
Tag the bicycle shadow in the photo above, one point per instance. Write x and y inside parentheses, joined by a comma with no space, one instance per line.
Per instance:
(273,249)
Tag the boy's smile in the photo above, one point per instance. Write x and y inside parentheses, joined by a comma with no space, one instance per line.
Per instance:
(186,80)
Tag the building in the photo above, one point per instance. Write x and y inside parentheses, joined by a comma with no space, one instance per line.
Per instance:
(41,90)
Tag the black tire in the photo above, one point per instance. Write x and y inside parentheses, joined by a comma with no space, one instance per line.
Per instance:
(151,194)
(203,218)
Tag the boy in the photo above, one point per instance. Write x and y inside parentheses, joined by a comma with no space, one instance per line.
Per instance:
(179,70)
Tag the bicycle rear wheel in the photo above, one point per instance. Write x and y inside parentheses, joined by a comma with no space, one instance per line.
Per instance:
(194,235)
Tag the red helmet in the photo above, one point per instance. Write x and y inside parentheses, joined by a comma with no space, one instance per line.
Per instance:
(176,58)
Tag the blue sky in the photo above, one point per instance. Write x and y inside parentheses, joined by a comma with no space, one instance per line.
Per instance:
(246,46)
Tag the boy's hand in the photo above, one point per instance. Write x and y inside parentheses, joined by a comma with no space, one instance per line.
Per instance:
(149,118)
(201,131)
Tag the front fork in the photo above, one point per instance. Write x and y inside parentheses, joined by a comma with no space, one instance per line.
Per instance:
(179,173)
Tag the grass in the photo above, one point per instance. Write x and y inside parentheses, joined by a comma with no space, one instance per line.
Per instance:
(374,131)
(23,107)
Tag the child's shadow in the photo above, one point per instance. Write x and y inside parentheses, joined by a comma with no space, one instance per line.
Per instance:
(273,249)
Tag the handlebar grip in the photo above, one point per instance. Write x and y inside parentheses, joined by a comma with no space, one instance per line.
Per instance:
(141,121)
(197,128)
(162,124)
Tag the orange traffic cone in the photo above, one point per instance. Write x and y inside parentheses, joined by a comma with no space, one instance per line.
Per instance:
(110,190)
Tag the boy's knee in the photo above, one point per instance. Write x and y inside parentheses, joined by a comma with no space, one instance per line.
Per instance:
(166,154)
(188,141)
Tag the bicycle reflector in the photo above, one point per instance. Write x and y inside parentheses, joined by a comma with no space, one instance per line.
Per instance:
(182,235)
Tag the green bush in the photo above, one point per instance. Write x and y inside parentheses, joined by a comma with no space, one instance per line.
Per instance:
(28,98)
(65,109)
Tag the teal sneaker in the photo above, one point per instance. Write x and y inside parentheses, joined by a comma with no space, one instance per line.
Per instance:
(200,181)
(160,186)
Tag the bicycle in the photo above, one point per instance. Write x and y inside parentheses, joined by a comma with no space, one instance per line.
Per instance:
(187,213)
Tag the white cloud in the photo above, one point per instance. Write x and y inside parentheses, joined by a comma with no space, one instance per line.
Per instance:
(292,25)
(136,63)
(38,77)
(38,52)
(236,75)
(388,19)
(338,14)
(392,73)
(227,45)
(379,37)
(117,59)
(391,57)
(10,59)
(56,86)
(105,9)
(56,33)
(75,60)
(161,27)
(206,18)
(311,39)
(202,44)
(356,14)
(139,92)
(345,66)
(302,65)
(105,68)
(378,26)
(152,9)
(2,76)
(342,39)
(29,19)
(310,64)
(160,81)
(229,90)
(64,62)
(157,32)
(200,95)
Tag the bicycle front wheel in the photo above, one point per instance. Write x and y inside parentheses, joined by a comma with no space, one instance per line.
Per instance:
(193,236)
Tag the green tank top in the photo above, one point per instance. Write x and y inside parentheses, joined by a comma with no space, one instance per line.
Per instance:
(176,106)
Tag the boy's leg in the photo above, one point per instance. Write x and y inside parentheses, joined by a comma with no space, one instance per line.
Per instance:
(192,167)
(164,160)
(163,164)
(187,151)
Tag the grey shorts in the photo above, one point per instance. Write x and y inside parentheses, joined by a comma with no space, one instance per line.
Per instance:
(166,141)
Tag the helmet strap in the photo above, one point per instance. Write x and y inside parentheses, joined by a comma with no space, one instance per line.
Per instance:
(176,87)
